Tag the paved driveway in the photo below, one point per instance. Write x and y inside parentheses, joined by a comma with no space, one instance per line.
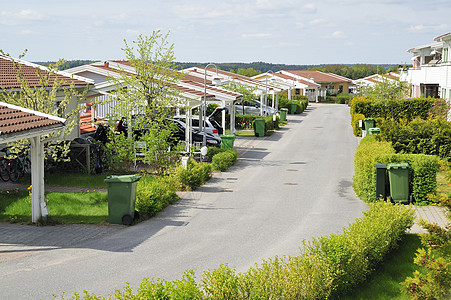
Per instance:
(293,185)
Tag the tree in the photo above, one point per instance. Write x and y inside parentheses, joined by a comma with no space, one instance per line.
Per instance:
(145,94)
(52,94)
(387,89)
(246,90)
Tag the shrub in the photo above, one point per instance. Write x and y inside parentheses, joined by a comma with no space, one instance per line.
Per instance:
(355,118)
(152,197)
(212,151)
(343,98)
(431,137)
(194,175)
(422,174)
(224,160)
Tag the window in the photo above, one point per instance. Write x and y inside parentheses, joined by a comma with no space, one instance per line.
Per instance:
(443,95)
(445,54)
(298,91)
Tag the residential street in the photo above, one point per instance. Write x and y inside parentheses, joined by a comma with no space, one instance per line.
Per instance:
(293,185)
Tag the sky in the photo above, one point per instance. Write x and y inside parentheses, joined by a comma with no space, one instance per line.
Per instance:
(278,31)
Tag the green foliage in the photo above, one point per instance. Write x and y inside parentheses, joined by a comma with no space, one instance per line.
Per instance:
(152,197)
(211,107)
(194,175)
(343,98)
(119,152)
(386,90)
(440,109)
(352,255)
(434,283)
(408,109)
(212,151)
(246,90)
(422,174)
(224,160)
(248,72)
(221,283)
(431,137)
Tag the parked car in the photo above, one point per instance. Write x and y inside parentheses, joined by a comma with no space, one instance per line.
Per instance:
(211,126)
(197,136)
(252,108)
(179,132)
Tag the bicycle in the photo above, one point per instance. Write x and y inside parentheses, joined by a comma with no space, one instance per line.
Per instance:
(14,168)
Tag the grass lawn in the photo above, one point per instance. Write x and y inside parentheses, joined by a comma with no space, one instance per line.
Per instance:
(70,179)
(65,208)
(384,283)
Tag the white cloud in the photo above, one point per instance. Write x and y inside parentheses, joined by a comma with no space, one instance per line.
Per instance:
(30,15)
(310,8)
(300,25)
(317,21)
(427,28)
(26,32)
(338,35)
(132,32)
(255,35)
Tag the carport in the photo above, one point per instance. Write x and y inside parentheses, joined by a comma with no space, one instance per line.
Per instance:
(18,123)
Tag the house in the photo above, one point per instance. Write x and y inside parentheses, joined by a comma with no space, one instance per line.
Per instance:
(430,75)
(329,82)
(191,89)
(262,89)
(371,80)
(295,85)
(30,71)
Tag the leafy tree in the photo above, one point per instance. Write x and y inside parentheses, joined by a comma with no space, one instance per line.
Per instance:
(146,93)
(246,90)
(248,72)
(53,95)
(387,89)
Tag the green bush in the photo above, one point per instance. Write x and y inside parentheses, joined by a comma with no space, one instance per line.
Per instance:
(224,160)
(408,109)
(422,174)
(152,197)
(343,98)
(194,175)
(431,137)
(212,151)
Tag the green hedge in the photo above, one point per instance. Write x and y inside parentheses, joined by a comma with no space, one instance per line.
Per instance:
(224,160)
(431,137)
(402,108)
(194,175)
(325,268)
(422,174)
(153,196)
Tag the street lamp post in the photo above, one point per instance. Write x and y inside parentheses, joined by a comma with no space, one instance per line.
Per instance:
(266,91)
(204,111)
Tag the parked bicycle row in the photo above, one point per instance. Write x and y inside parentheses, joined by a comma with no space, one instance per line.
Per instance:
(13,168)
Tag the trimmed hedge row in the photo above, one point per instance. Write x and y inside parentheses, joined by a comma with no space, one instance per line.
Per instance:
(326,266)
(431,137)
(401,108)
(422,174)
(224,160)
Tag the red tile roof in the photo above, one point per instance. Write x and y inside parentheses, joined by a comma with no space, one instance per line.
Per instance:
(14,119)
(8,74)
(442,36)
(320,77)
(308,83)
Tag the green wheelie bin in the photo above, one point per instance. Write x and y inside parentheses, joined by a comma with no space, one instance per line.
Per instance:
(293,108)
(368,123)
(398,176)
(283,114)
(121,198)
(259,127)
(227,141)
(374,131)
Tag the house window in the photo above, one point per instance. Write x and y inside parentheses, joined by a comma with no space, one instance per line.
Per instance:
(443,95)
(445,54)
(340,89)
(298,91)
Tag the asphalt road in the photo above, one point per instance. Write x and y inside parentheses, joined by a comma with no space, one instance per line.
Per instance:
(293,185)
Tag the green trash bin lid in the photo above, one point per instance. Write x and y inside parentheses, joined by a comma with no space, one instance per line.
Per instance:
(381,166)
(122,178)
(398,166)
(228,136)
(369,119)
(284,109)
